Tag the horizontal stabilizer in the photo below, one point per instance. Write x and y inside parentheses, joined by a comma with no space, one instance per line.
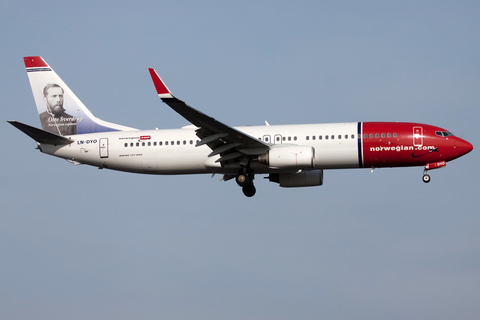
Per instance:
(39,135)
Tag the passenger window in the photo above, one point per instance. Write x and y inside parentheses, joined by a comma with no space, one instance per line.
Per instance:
(289,138)
(371,135)
(184,142)
(394,135)
(283,138)
(191,141)
(389,135)
(377,135)
(178,142)
(333,137)
(166,143)
(383,135)
(149,143)
(339,136)
(346,136)
(307,137)
(278,139)
(172,143)
(143,144)
(126,144)
(313,137)
(319,137)
(138,144)
(131,144)
(154,143)
(326,137)
(295,138)
(359,136)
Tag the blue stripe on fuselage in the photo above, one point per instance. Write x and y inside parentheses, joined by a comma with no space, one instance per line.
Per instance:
(359,136)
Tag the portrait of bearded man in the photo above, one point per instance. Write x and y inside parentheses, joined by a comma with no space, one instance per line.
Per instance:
(55,119)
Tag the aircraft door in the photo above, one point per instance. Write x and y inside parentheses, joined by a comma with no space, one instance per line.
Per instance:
(103,146)
(417,136)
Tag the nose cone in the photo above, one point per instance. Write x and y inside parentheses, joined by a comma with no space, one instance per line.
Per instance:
(462,147)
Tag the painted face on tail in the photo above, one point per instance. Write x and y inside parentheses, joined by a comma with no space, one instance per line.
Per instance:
(54,100)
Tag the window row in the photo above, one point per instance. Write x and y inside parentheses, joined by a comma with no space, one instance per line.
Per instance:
(277,138)
(159,143)
(331,137)
(320,137)
(378,135)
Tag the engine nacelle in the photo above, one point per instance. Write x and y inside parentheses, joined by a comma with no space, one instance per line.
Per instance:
(290,157)
(301,179)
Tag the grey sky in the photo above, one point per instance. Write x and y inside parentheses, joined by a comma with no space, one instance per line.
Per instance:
(81,243)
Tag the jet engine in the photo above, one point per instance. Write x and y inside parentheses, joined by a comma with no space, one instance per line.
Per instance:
(289,157)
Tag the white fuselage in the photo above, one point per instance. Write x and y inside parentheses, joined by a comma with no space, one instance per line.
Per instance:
(174,151)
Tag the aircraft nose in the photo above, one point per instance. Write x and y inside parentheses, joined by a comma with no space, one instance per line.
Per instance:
(463,146)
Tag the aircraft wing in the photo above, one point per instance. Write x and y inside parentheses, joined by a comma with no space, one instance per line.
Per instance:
(229,142)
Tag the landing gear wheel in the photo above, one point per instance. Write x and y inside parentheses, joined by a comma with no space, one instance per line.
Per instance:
(243,179)
(249,190)
(426,178)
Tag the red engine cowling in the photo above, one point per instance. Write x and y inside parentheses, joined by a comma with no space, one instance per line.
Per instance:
(289,157)
(301,179)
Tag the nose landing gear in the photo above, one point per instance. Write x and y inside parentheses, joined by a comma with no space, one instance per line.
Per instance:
(431,166)
(426,177)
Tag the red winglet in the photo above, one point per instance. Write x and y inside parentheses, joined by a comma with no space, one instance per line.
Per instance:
(158,83)
(34,62)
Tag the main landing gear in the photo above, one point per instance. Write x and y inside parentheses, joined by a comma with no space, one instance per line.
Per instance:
(245,180)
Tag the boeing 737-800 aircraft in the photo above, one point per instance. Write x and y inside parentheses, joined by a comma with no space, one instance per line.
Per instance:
(291,155)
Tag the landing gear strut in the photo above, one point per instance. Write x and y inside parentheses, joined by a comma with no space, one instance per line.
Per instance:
(426,177)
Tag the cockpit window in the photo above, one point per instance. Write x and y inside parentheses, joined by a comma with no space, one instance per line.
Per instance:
(444,133)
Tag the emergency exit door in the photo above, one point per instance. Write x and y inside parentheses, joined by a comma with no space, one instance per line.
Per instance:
(417,136)
(104,148)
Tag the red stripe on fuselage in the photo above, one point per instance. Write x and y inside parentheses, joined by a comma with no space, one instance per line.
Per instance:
(398,144)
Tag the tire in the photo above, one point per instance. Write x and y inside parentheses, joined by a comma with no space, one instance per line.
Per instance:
(249,190)
(426,178)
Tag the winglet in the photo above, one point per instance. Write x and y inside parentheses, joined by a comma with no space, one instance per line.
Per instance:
(160,86)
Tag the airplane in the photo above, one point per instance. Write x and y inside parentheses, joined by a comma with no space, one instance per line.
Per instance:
(291,155)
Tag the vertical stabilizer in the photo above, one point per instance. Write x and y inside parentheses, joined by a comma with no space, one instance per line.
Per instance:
(60,111)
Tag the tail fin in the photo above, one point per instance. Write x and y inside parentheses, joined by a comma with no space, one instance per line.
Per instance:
(60,111)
